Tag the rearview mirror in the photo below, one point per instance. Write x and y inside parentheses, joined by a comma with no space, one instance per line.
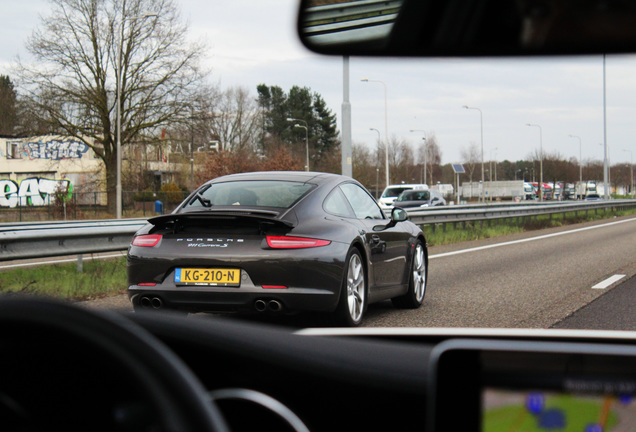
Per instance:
(467,27)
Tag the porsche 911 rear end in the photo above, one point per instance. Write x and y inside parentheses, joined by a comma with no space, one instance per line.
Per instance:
(243,257)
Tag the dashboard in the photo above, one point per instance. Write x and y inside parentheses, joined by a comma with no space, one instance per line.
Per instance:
(66,367)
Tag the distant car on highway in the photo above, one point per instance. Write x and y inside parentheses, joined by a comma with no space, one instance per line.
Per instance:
(391,192)
(413,198)
(593,197)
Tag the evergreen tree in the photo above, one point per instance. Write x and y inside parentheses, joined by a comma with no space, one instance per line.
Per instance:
(8,97)
(309,110)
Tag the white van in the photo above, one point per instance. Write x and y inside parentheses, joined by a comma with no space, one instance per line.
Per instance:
(391,193)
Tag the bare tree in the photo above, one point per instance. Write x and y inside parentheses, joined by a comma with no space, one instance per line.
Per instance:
(432,155)
(236,119)
(365,167)
(471,157)
(401,161)
(87,50)
(230,117)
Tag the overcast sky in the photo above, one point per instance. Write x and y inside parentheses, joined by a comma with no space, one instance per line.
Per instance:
(254,41)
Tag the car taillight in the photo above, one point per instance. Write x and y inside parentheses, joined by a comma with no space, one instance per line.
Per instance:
(149,240)
(284,242)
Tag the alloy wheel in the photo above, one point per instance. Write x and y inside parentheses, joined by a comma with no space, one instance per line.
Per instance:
(419,273)
(355,288)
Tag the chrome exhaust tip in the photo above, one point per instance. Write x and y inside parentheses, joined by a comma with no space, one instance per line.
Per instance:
(145,302)
(156,303)
(274,306)
(260,305)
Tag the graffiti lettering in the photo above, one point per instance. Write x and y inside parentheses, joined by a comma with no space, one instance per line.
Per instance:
(31,191)
(56,149)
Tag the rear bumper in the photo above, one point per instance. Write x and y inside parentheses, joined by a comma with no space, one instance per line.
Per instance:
(244,299)
(312,279)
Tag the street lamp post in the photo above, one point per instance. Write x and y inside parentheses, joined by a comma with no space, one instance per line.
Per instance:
(306,127)
(540,159)
(425,171)
(608,173)
(580,159)
(386,127)
(426,162)
(631,169)
(377,165)
(118,191)
(481,121)
(491,160)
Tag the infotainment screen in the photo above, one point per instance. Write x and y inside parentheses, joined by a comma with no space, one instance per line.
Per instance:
(513,386)
(536,410)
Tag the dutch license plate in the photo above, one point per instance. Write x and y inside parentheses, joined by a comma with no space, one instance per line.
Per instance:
(208,277)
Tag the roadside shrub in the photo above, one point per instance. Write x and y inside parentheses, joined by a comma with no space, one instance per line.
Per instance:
(145,195)
(171,193)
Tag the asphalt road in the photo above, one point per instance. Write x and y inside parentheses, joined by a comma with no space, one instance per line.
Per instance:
(540,279)
(532,280)
(614,310)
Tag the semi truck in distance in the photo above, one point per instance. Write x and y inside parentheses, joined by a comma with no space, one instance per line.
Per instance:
(589,188)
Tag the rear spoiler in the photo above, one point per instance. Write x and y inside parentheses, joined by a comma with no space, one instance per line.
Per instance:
(267,216)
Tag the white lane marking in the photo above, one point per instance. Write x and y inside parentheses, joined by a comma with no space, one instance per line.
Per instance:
(463,251)
(58,261)
(609,281)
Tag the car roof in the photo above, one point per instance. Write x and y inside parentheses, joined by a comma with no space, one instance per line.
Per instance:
(299,176)
(411,185)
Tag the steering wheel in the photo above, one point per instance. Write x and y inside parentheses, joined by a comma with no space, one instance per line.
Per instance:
(92,366)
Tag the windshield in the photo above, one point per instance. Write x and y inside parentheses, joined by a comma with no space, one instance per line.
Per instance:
(496,250)
(414,196)
(394,191)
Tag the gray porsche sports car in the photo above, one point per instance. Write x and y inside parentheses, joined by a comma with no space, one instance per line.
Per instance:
(277,242)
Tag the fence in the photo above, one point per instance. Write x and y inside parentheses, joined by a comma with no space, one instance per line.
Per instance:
(90,205)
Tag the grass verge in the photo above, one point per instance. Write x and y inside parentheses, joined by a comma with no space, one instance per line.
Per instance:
(100,278)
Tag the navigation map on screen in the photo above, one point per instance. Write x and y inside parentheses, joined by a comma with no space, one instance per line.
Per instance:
(505,410)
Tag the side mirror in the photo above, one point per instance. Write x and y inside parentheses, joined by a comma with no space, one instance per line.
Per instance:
(397,215)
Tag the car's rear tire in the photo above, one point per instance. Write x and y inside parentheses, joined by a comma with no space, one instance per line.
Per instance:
(417,281)
(353,293)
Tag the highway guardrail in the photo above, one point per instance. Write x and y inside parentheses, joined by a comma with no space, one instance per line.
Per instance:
(46,239)
(27,240)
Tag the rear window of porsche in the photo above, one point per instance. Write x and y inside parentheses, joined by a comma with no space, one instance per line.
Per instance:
(253,193)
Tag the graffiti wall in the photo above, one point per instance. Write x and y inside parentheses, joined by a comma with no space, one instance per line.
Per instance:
(46,148)
(32,191)
(56,149)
